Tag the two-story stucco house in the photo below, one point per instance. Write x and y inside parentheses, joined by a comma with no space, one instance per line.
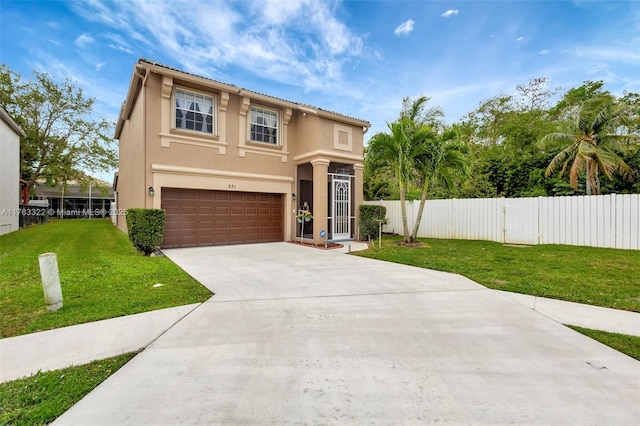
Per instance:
(232,166)
(10,134)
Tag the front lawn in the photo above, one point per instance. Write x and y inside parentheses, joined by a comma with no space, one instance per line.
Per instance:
(628,345)
(41,398)
(101,274)
(595,276)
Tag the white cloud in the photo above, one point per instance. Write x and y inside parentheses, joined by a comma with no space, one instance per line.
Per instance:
(119,43)
(520,38)
(610,53)
(405,28)
(544,52)
(449,13)
(303,44)
(99,65)
(83,40)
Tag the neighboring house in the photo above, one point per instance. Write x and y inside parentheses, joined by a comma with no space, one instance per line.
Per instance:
(75,201)
(232,166)
(10,134)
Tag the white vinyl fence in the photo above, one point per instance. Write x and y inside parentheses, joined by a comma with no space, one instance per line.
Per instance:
(598,221)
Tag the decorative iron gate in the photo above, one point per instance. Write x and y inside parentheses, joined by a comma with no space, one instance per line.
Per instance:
(341,208)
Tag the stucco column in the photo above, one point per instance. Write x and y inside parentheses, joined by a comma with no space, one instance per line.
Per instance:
(358,196)
(320,197)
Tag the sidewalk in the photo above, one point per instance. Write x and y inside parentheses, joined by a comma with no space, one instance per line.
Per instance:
(80,344)
(586,316)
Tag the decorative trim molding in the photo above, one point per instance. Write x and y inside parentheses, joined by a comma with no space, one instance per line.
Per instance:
(337,129)
(324,153)
(288,112)
(273,152)
(244,105)
(320,162)
(167,86)
(224,100)
(166,139)
(179,170)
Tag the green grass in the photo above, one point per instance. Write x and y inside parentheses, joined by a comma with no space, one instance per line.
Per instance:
(44,396)
(594,276)
(101,274)
(629,345)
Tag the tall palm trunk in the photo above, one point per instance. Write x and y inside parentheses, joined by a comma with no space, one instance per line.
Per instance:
(594,177)
(403,210)
(588,180)
(416,225)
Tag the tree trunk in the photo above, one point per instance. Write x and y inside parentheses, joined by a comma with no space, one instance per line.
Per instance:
(403,209)
(588,176)
(423,199)
(596,179)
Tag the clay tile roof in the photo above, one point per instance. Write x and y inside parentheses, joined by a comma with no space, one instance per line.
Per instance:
(160,65)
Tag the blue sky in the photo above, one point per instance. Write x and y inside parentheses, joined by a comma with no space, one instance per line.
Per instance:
(359,58)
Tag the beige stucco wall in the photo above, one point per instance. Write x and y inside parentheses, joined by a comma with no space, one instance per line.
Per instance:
(9,178)
(152,153)
(132,184)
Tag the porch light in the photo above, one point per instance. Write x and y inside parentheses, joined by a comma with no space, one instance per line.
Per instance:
(293,196)
(151,191)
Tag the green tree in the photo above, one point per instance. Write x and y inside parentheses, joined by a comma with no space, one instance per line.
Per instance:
(592,139)
(62,140)
(442,161)
(419,150)
(395,152)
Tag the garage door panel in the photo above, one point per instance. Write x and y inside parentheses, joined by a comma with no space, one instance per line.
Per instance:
(199,217)
(205,196)
(188,195)
(236,224)
(222,225)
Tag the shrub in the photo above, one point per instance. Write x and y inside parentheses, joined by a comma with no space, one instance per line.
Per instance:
(370,216)
(146,229)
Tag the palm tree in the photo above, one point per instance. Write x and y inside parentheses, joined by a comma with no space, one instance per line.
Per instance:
(443,160)
(396,152)
(592,137)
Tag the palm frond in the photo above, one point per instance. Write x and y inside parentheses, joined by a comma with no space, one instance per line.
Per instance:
(561,158)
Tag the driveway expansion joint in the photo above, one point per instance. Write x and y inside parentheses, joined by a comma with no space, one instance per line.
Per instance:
(325,296)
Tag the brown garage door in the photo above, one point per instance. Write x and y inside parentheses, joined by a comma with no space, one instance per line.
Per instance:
(211,218)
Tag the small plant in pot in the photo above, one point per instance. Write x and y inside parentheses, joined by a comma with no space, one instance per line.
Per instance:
(304,215)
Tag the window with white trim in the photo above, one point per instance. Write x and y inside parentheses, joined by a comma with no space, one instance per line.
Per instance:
(194,111)
(264,125)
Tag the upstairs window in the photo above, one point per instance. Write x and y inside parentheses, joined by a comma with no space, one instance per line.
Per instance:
(264,125)
(194,111)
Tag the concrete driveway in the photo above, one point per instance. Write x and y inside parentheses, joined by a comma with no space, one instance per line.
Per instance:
(297,335)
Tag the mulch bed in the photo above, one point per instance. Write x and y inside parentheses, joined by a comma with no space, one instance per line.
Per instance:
(327,246)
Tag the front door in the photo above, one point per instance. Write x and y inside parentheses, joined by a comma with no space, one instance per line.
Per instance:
(341,207)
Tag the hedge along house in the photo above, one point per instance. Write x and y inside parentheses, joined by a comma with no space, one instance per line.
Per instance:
(232,166)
